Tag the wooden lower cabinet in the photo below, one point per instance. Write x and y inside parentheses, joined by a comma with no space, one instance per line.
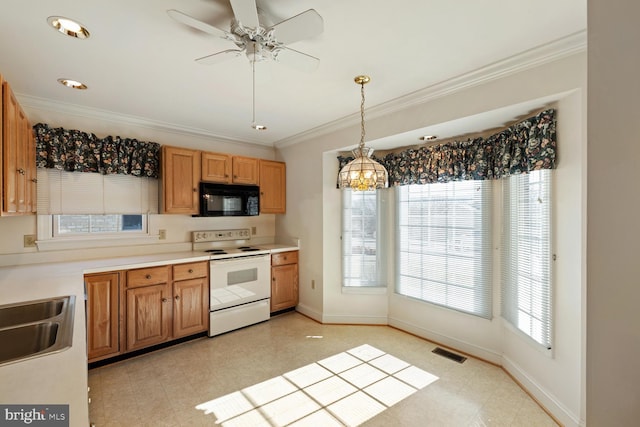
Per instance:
(190,299)
(138,308)
(103,315)
(284,280)
(148,316)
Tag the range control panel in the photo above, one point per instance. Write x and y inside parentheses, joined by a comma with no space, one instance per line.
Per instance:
(220,235)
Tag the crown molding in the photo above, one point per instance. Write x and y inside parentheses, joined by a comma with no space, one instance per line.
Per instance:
(45,104)
(546,53)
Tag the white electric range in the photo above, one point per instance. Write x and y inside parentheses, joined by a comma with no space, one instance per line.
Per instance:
(239,279)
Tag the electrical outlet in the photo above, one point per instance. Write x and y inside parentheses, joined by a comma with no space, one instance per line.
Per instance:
(254,230)
(29,240)
(313,284)
(162,234)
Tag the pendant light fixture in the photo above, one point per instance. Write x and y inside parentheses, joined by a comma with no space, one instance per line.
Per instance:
(363,173)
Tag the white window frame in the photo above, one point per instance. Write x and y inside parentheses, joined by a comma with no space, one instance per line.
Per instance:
(143,231)
(527,256)
(379,283)
(426,263)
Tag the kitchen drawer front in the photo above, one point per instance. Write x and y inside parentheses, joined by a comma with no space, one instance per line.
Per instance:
(283,258)
(147,276)
(190,270)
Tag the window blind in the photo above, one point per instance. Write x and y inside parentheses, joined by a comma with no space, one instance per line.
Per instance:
(361,249)
(444,245)
(526,255)
(61,192)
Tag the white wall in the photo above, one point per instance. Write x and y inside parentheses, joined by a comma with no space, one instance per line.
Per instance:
(613,316)
(556,381)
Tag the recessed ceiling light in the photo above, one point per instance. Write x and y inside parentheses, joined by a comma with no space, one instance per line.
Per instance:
(68,27)
(428,138)
(73,84)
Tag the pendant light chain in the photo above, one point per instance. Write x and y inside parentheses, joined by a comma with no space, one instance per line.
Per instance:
(362,133)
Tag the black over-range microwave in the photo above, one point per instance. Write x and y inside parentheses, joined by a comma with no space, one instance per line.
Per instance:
(229,200)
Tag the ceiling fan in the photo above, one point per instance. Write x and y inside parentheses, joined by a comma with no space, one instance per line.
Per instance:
(257,41)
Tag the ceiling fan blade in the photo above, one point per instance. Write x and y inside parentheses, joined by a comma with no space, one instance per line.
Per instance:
(302,26)
(298,60)
(219,57)
(194,23)
(246,12)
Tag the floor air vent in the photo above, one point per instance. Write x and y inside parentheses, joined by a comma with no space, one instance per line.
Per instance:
(449,355)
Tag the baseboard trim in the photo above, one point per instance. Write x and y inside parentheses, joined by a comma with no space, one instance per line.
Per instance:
(546,400)
(462,346)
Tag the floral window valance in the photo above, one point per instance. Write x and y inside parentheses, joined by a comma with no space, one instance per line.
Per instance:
(77,151)
(523,147)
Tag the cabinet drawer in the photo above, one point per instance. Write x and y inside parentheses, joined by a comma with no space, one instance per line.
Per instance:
(190,270)
(284,258)
(147,276)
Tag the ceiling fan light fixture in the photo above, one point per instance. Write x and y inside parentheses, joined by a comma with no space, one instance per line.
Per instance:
(68,27)
(363,173)
(73,84)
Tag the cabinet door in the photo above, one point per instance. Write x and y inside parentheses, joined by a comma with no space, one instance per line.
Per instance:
(216,167)
(284,287)
(180,178)
(18,157)
(103,335)
(245,170)
(148,316)
(11,131)
(273,187)
(191,307)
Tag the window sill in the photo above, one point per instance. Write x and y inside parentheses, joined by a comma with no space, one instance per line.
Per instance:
(365,290)
(94,242)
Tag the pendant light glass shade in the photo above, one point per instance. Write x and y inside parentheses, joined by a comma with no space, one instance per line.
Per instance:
(363,173)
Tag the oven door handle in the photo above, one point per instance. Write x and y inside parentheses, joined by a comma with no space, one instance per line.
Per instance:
(242,259)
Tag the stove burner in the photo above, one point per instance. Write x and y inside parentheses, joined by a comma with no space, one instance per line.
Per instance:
(249,249)
(216,251)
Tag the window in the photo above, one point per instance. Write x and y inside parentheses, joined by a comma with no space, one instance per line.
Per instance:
(78,225)
(361,248)
(526,262)
(444,245)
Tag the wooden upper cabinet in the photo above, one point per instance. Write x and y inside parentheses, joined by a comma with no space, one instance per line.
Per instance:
(180,179)
(216,167)
(273,187)
(245,170)
(18,157)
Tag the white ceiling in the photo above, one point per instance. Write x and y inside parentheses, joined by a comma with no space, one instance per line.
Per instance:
(139,63)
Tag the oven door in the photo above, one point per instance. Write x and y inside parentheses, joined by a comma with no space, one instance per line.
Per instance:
(241,280)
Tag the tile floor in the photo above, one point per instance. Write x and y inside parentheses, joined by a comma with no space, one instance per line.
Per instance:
(292,370)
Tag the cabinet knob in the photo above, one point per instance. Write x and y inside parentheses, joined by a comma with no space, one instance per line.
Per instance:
(273,278)
(177,297)
(21,171)
(190,270)
(148,276)
(34,179)
(285,258)
(195,190)
(164,300)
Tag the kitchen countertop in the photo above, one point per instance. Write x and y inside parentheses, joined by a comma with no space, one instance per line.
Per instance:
(61,378)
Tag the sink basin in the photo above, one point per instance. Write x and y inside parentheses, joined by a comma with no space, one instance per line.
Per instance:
(27,340)
(35,328)
(18,314)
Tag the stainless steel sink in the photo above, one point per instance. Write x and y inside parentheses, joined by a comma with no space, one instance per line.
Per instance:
(18,314)
(35,328)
